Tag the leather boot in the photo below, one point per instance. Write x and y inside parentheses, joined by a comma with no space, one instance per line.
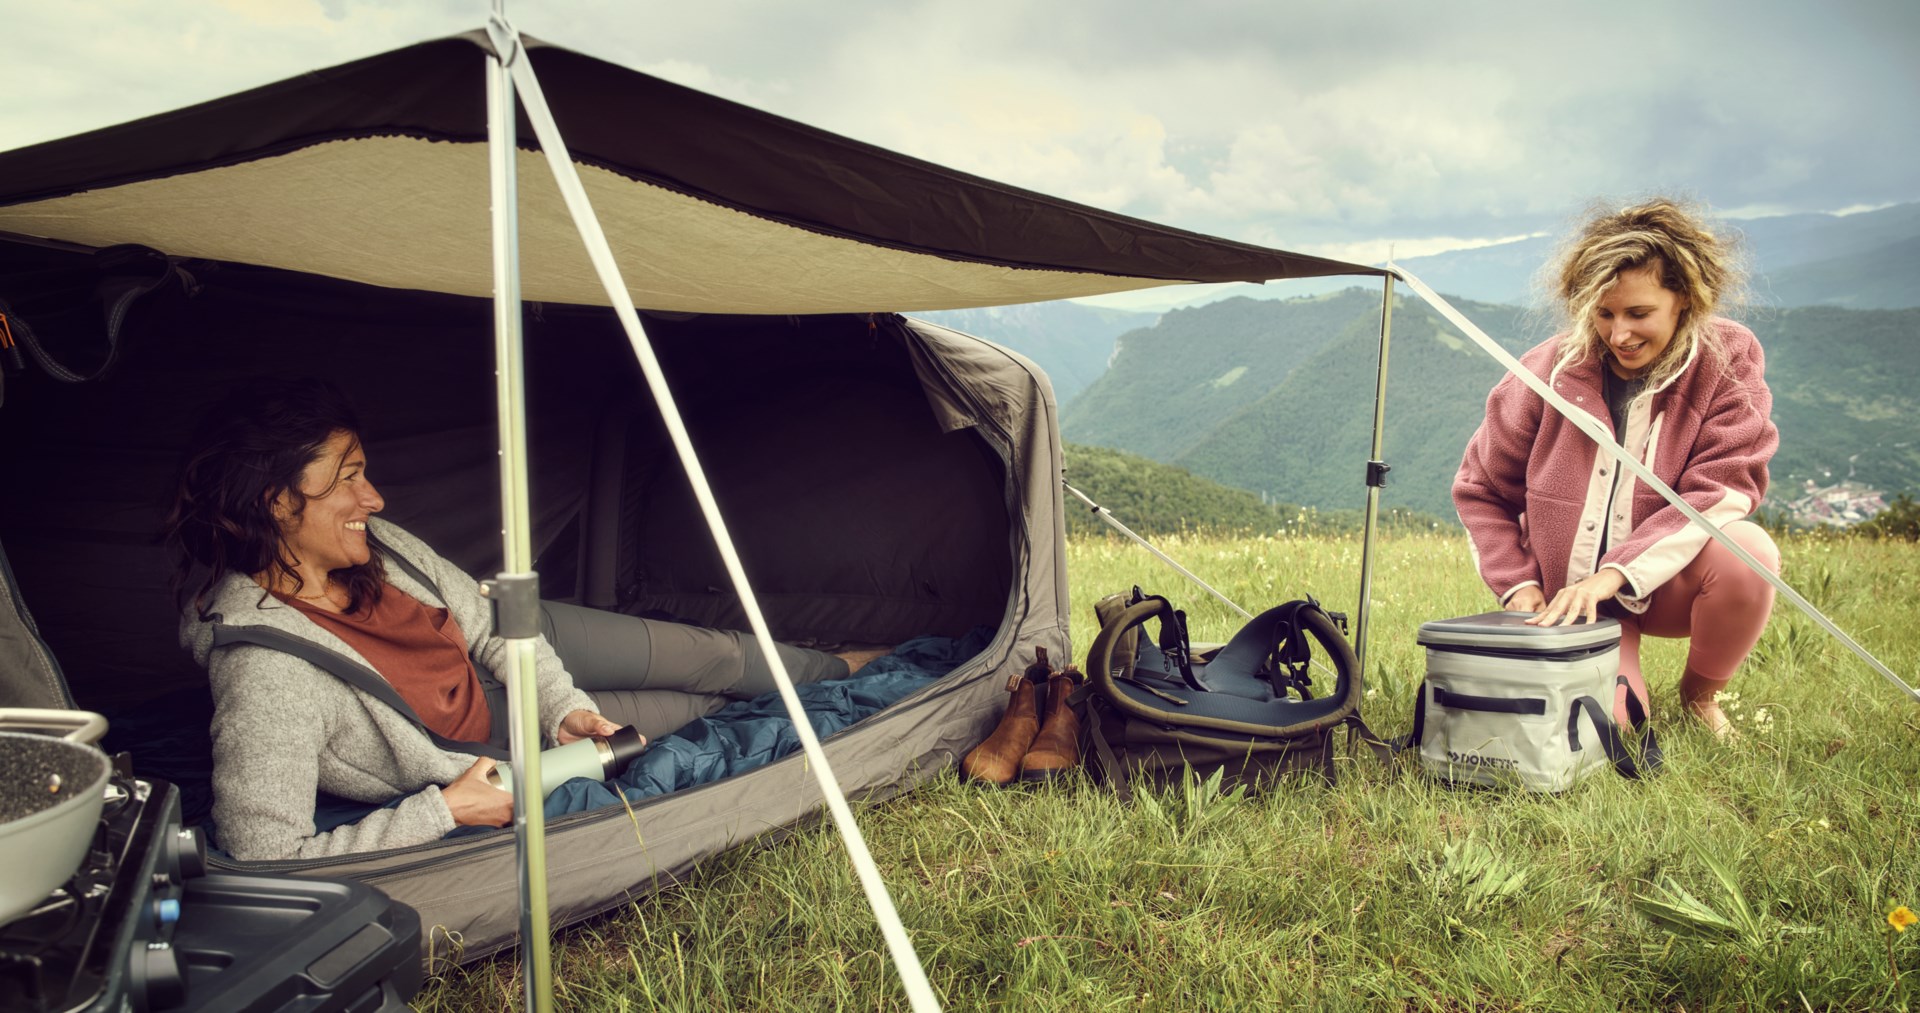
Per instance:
(997,760)
(1056,749)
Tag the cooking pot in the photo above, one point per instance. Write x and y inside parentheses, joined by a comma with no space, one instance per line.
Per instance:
(50,797)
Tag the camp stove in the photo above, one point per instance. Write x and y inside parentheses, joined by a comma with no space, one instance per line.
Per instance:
(143,927)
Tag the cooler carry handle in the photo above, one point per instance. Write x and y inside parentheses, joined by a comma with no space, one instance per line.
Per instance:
(1491,704)
(1611,741)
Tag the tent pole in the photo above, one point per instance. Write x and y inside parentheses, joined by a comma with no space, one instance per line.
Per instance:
(516,588)
(1376,477)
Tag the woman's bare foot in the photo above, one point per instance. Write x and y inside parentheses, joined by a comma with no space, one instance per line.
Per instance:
(857,660)
(1702,698)
(1708,713)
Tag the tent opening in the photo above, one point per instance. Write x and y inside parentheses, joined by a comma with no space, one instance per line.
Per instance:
(863,513)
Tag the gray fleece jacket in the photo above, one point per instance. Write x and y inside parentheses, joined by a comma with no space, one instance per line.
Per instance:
(284,727)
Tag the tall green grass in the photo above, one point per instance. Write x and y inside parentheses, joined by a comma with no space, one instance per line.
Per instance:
(1751,875)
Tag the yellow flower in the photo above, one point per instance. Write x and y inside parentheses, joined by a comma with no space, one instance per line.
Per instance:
(1901,917)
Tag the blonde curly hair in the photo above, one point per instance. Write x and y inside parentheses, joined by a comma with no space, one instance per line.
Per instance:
(1704,268)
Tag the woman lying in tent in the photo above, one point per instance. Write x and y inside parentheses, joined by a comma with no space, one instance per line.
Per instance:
(298,581)
(1558,529)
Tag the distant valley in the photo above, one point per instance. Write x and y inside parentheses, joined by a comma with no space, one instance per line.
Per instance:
(1070,341)
(1276,396)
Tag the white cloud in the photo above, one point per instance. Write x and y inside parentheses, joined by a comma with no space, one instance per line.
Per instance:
(1326,127)
(1377,251)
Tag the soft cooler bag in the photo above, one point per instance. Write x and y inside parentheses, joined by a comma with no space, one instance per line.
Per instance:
(1506,703)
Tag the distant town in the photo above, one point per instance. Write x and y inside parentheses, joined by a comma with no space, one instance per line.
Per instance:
(1840,505)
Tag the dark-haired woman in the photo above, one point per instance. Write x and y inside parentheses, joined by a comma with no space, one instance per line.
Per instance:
(299,580)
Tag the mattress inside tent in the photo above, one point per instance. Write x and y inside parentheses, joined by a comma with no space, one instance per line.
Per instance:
(858,515)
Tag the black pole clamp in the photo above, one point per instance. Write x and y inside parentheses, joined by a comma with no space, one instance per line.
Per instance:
(516,604)
(1377,473)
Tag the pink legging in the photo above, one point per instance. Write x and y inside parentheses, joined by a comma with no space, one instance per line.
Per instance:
(1716,600)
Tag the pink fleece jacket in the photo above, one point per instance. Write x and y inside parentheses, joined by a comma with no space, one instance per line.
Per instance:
(1534,491)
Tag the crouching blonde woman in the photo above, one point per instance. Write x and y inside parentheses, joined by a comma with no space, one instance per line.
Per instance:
(1558,529)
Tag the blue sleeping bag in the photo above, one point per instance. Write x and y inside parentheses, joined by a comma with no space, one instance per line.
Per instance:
(736,738)
(752,733)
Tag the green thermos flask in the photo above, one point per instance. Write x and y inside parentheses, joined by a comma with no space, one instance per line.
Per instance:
(595,758)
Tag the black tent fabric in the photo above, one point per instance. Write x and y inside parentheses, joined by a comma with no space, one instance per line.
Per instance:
(375,171)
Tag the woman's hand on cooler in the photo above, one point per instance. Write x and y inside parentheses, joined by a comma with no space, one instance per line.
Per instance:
(1527,599)
(584,725)
(474,801)
(1580,602)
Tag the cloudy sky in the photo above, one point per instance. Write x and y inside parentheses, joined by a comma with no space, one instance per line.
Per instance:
(1334,128)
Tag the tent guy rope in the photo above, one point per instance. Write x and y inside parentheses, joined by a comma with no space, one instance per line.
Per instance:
(1114,522)
(533,101)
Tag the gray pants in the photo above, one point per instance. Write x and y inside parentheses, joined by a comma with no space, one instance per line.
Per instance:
(657,676)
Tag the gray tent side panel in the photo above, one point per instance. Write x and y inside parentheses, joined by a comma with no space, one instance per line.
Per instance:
(597,862)
(29,677)
(1030,422)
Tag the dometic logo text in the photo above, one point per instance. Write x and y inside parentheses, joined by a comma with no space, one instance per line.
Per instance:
(1476,760)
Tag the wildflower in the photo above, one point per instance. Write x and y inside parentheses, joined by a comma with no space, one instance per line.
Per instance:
(1901,917)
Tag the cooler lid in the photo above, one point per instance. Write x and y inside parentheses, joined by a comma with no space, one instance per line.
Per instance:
(1509,631)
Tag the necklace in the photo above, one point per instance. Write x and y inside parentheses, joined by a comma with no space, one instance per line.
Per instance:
(326,590)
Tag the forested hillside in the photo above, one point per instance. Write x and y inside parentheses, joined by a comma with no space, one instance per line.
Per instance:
(1309,438)
(1277,397)
(1153,498)
(1171,384)
(1846,396)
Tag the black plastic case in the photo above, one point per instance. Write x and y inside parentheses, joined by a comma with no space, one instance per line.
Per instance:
(279,943)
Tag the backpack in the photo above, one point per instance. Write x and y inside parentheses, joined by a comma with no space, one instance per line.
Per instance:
(1155,706)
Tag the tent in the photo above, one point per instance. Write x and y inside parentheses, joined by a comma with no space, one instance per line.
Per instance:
(883,476)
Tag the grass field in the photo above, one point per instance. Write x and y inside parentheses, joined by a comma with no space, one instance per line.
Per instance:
(1774,858)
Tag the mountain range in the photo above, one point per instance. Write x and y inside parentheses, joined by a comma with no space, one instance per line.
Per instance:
(1869,260)
(1276,396)
(1070,340)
